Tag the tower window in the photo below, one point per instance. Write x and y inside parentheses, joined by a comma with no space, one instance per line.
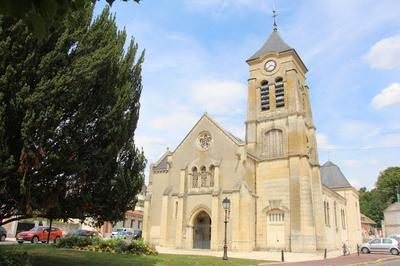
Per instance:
(279,93)
(273,143)
(264,95)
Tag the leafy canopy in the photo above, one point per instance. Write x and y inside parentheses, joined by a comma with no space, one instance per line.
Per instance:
(43,16)
(69,106)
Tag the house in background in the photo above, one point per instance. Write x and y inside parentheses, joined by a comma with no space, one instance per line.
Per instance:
(391,222)
(368,227)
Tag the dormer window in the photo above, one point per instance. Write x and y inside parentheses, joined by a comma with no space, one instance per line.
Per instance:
(264,96)
(279,93)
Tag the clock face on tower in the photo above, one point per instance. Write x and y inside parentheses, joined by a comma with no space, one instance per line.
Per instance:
(270,65)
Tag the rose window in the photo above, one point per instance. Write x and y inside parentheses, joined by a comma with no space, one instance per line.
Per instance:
(204,140)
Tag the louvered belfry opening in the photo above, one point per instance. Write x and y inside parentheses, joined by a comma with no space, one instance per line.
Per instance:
(264,93)
(279,93)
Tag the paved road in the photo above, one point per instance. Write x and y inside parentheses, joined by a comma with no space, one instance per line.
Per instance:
(349,260)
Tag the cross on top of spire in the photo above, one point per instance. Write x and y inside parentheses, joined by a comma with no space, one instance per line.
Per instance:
(275,28)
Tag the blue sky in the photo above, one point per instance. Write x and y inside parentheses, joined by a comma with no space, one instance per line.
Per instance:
(195,62)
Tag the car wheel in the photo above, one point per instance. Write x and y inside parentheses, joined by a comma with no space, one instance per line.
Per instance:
(3,238)
(20,242)
(35,239)
(57,240)
(365,250)
(394,251)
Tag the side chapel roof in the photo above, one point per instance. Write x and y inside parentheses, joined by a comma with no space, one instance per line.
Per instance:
(332,176)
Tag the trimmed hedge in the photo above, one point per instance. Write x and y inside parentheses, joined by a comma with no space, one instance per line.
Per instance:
(137,247)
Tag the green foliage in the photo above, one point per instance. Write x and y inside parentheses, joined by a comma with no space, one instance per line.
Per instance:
(374,202)
(44,16)
(69,106)
(137,247)
(15,258)
(388,184)
(371,205)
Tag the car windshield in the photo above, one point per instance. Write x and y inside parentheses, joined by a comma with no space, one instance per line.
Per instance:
(37,229)
(121,233)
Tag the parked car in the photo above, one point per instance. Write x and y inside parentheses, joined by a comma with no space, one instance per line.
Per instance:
(39,233)
(3,233)
(83,233)
(397,237)
(122,232)
(137,234)
(382,245)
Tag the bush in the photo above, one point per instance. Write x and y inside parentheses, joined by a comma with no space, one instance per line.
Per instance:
(14,258)
(137,247)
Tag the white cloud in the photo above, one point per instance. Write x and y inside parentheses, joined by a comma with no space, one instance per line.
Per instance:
(219,96)
(223,5)
(385,54)
(174,122)
(323,142)
(389,96)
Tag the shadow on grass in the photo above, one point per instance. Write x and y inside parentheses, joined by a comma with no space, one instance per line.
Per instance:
(48,255)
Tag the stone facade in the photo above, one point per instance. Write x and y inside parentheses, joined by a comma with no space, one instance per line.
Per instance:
(391,223)
(272,179)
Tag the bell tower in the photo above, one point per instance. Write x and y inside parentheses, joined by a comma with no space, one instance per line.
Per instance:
(280,132)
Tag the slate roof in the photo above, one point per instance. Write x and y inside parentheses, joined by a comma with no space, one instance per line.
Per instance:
(332,176)
(394,207)
(161,165)
(274,44)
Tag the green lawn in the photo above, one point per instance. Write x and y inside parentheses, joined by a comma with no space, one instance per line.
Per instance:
(43,255)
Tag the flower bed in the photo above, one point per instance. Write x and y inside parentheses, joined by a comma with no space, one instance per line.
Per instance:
(136,247)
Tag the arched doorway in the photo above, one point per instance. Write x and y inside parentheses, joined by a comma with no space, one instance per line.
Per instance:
(202,231)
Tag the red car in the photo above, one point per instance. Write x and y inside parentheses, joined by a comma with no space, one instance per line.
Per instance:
(39,233)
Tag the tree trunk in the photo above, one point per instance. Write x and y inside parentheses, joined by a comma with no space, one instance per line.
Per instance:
(48,236)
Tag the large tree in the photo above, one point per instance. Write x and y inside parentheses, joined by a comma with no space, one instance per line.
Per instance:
(388,184)
(374,202)
(69,106)
(44,16)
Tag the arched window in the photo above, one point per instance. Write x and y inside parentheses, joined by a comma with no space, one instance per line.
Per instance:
(264,96)
(334,209)
(203,174)
(279,93)
(273,143)
(327,214)
(195,177)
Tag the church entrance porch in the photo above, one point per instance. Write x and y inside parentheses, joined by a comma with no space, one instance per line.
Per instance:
(202,231)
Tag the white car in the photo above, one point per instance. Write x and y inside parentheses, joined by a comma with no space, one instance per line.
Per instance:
(382,245)
(121,232)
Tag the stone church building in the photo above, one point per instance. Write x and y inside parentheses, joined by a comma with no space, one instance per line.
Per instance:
(281,198)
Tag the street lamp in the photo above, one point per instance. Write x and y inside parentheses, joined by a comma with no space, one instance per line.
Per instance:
(226,203)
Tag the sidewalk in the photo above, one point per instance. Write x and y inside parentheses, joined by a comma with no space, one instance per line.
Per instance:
(353,259)
(334,258)
(256,255)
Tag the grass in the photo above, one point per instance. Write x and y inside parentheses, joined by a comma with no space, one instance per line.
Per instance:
(44,255)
